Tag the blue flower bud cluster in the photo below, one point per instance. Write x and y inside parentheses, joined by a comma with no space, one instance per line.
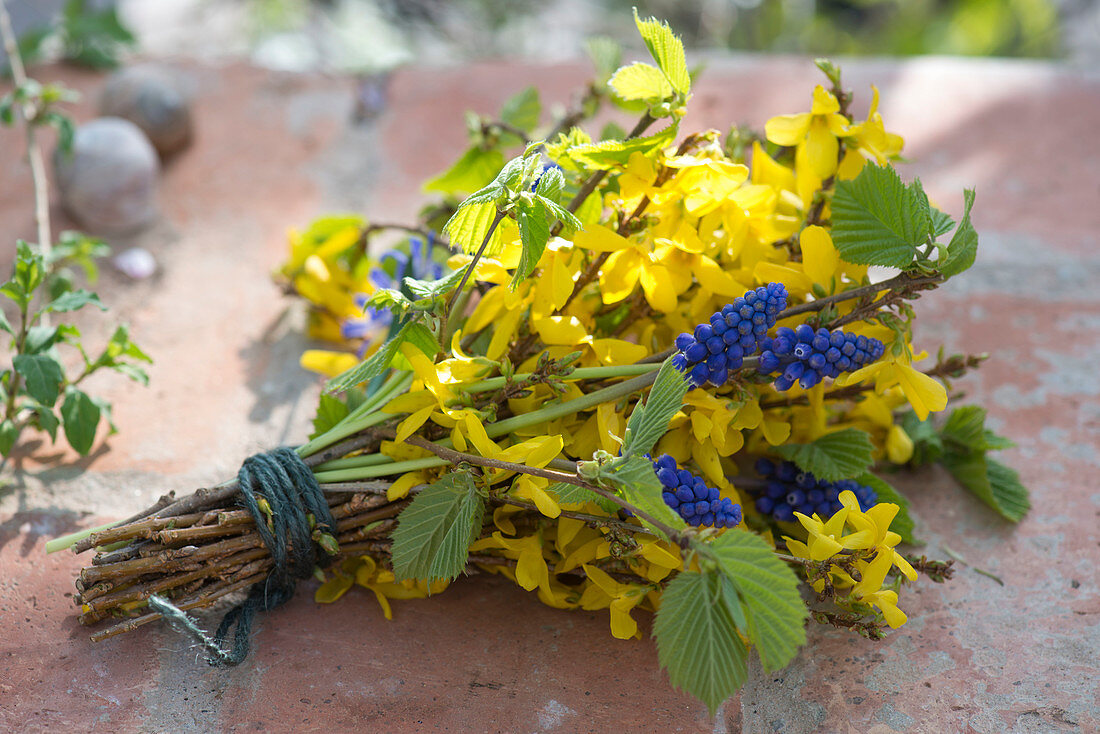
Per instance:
(806,356)
(690,496)
(788,490)
(719,347)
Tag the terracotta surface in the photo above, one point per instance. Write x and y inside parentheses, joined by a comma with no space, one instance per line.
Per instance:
(274,150)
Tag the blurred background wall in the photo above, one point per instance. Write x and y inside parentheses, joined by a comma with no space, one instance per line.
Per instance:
(371,36)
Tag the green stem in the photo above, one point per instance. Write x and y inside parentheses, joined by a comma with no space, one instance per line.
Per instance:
(583,373)
(376,465)
(362,417)
(385,470)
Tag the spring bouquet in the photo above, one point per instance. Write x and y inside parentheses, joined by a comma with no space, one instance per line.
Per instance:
(642,372)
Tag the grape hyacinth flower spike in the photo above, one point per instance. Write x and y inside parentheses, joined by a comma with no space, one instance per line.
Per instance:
(720,347)
(806,356)
(788,490)
(689,495)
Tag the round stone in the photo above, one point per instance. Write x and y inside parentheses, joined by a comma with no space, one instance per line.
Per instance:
(153,98)
(108,181)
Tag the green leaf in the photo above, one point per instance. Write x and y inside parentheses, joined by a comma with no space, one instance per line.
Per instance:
(42,375)
(522,110)
(942,223)
(551,183)
(963,247)
(649,422)
(835,456)
(422,338)
(330,411)
(965,427)
(878,220)
(972,470)
(612,153)
(667,51)
(475,169)
(466,230)
(606,54)
(637,482)
(74,300)
(40,338)
(993,442)
(571,494)
(5,324)
(768,588)
(903,523)
(80,417)
(9,434)
(1011,495)
(534,233)
(641,82)
(29,268)
(559,212)
(434,288)
(388,299)
(434,532)
(46,420)
(697,640)
(369,368)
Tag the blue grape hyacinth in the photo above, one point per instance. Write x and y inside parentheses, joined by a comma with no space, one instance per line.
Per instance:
(720,347)
(418,264)
(788,490)
(688,494)
(807,357)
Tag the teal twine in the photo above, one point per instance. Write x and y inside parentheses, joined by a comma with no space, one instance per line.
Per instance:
(293,494)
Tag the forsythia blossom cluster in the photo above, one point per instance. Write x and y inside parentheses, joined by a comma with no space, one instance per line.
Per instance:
(871,538)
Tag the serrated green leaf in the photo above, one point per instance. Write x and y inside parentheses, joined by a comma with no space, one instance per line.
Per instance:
(571,494)
(330,411)
(80,417)
(369,368)
(697,640)
(469,225)
(551,183)
(1011,495)
(993,483)
(388,299)
(963,247)
(5,325)
(637,482)
(434,288)
(993,442)
(769,589)
(534,233)
(612,153)
(474,170)
(835,456)
(74,300)
(965,427)
(434,532)
(667,50)
(877,220)
(942,223)
(649,422)
(42,375)
(640,82)
(903,523)
(522,110)
(568,219)
(422,338)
